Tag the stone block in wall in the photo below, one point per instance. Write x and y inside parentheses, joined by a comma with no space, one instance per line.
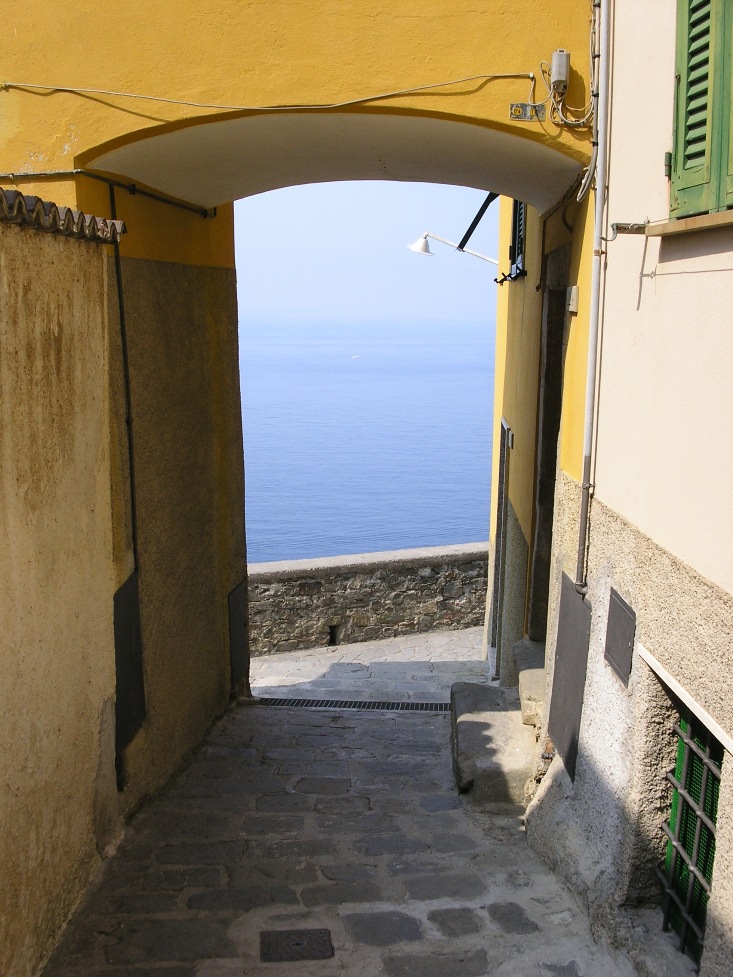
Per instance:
(369,596)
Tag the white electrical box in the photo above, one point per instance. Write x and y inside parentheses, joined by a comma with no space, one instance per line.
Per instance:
(572,294)
(560,71)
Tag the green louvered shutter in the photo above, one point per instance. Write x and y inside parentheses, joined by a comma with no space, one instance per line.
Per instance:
(698,24)
(727,105)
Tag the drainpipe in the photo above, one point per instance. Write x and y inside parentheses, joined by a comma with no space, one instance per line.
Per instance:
(601,116)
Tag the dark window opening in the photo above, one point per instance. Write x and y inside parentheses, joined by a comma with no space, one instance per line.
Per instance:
(334,635)
(687,871)
(517,247)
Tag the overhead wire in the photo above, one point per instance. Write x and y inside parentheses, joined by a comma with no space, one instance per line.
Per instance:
(51,89)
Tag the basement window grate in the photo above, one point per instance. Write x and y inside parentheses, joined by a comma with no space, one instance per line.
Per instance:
(687,871)
(356,704)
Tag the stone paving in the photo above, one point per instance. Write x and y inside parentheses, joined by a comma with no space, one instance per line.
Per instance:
(420,667)
(298,819)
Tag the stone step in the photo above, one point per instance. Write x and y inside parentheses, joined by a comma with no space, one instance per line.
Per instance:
(492,748)
(529,657)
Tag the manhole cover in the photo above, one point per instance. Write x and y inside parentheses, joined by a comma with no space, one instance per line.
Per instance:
(280,945)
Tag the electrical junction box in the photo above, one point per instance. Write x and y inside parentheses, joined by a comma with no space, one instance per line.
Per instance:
(560,71)
(572,294)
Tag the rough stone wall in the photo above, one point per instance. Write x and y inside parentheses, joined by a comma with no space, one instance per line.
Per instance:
(306,604)
(603,831)
(57,778)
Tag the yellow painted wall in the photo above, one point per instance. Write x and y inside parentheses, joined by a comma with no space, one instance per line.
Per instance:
(189,480)
(255,54)
(519,309)
(159,231)
(259,54)
(570,453)
(523,304)
(58,798)
(518,349)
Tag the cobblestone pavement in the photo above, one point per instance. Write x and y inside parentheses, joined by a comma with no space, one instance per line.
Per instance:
(299,819)
(420,667)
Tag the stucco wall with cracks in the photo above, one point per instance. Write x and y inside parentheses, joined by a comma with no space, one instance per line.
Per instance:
(58,801)
(603,832)
(189,481)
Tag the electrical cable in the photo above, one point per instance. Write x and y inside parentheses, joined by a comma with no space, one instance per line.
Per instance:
(590,171)
(560,113)
(51,89)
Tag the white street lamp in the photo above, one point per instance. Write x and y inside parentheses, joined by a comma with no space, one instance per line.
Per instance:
(421,246)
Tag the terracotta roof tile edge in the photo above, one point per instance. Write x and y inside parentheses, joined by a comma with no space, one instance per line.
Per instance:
(28,211)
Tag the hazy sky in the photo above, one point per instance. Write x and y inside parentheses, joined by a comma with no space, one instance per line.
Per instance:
(338,250)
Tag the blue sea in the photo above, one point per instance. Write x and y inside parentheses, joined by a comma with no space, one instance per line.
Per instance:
(365,436)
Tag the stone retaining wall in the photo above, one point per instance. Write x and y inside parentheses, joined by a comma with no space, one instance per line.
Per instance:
(313,603)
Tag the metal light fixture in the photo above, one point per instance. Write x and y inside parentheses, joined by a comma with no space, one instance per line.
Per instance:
(421,246)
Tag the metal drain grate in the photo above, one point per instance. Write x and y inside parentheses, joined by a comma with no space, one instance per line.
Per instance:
(277,946)
(356,704)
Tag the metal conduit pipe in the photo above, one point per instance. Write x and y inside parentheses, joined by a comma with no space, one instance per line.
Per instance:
(604,14)
(132,188)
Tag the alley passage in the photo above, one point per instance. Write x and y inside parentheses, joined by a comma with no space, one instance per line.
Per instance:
(345,821)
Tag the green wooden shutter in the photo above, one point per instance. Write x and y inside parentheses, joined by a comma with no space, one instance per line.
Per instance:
(727,105)
(698,26)
(517,247)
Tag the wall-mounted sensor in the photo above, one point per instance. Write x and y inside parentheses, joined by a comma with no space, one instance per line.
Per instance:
(560,71)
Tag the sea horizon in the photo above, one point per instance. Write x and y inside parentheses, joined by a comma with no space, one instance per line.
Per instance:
(364,436)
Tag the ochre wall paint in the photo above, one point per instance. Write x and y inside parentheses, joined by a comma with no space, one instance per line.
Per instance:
(182,337)
(270,53)
(502,335)
(518,350)
(524,315)
(572,426)
(58,663)
(518,338)
(159,231)
(67,547)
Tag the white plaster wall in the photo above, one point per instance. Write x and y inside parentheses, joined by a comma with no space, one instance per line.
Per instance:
(664,444)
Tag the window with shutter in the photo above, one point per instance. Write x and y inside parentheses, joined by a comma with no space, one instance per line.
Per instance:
(516,249)
(702,174)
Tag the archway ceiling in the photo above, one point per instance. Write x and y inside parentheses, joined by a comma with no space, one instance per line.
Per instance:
(214,162)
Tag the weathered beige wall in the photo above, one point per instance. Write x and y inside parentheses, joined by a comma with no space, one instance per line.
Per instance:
(603,831)
(56,586)
(665,456)
(66,547)
(182,337)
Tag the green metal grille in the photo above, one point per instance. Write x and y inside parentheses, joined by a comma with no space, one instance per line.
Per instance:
(687,873)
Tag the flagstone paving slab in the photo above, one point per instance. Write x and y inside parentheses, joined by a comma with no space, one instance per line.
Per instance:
(350,821)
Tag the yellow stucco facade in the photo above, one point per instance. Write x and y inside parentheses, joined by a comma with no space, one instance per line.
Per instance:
(256,55)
